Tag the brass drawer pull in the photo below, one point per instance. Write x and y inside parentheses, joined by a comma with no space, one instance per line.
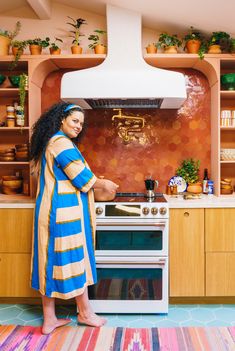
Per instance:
(186,214)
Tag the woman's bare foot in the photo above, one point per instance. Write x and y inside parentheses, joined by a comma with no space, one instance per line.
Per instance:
(93,320)
(49,326)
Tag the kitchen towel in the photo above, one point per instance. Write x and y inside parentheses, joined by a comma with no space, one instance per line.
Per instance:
(28,338)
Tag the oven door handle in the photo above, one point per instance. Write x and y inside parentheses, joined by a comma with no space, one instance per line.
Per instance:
(141,224)
(122,261)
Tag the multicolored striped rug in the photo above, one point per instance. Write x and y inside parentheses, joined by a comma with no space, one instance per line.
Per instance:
(26,338)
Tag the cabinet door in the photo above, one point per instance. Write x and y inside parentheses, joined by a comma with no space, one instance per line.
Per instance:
(186,252)
(220,229)
(220,273)
(15,275)
(16,230)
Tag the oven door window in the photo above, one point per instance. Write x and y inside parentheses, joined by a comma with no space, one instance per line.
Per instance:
(129,240)
(128,284)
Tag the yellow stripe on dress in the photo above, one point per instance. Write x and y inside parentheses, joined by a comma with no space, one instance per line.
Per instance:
(68,214)
(69,242)
(68,271)
(66,187)
(59,144)
(74,168)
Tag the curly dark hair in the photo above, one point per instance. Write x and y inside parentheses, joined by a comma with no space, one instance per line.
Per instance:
(46,126)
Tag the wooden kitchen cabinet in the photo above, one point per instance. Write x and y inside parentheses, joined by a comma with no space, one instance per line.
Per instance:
(220,251)
(15,252)
(186,249)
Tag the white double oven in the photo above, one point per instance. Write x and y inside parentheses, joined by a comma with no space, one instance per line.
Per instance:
(131,258)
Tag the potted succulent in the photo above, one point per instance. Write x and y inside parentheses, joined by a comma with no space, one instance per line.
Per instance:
(17,47)
(96,44)
(189,170)
(36,45)
(76,34)
(54,48)
(6,37)
(169,43)
(151,48)
(193,40)
(218,42)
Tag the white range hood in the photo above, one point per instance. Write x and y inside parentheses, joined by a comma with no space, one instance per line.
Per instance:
(124,79)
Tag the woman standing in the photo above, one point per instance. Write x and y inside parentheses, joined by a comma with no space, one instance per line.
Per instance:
(63,261)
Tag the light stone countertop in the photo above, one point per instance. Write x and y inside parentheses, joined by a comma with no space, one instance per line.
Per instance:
(207,201)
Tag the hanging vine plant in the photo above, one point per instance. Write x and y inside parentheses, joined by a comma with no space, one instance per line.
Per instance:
(22,90)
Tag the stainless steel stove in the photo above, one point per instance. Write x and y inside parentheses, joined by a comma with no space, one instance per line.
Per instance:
(131,255)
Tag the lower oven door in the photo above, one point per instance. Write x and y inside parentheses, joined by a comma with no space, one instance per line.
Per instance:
(130,285)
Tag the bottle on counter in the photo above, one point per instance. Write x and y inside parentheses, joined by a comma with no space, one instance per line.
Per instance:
(205,182)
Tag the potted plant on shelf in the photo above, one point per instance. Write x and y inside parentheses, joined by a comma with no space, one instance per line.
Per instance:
(218,42)
(76,34)
(189,171)
(169,43)
(96,44)
(193,40)
(6,37)
(17,47)
(151,48)
(36,45)
(54,48)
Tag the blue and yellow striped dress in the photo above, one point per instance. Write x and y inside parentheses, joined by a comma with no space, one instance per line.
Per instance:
(63,261)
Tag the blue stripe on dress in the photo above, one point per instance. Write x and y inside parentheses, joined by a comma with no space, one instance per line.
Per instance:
(35,268)
(70,256)
(82,178)
(67,228)
(67,156)
(88,234)
(70,284)
(67,200)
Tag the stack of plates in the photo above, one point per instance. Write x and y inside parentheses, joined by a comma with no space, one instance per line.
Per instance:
(11,185)
(22,152)
(7,155)
(227,154)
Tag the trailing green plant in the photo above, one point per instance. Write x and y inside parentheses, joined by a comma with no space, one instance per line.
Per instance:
(220,38)
(54,45)
(11,34)
(20,45)
(22,90)
(96,38)
(38,41)
(189,170)
(76,24)
(166,40)
(193,34)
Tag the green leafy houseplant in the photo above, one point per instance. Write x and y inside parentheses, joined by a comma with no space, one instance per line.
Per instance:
(18,47)
(96,38)
(40,42)
(75,33)
(193,34)
(189,170)
(165,40)
(54,48)
(6,37)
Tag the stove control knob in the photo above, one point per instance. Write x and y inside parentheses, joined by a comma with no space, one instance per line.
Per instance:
(154,211)
(145,211)
(163,210)
(99,210)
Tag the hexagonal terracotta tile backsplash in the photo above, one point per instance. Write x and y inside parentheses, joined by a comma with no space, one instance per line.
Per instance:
(168,137)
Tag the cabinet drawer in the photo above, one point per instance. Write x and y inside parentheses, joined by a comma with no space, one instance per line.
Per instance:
(220,273)
(16,230)
(15,276)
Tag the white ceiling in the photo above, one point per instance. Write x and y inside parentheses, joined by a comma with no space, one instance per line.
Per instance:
(175,16)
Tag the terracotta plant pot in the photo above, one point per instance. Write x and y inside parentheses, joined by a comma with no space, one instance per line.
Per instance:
(35,49)
(76,49)
(195,188)
(170,50)
(4,45)
(100,49)
(55,52)
(214,49)
(151,49)
(193,46)
(15,51)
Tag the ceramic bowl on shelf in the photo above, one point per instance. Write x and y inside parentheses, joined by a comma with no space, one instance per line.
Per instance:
(228,81)
(15,81)
(2,78)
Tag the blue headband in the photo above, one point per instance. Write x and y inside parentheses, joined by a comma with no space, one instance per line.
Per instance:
(69,107)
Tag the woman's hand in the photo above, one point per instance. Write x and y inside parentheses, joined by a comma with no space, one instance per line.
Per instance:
(106,184)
